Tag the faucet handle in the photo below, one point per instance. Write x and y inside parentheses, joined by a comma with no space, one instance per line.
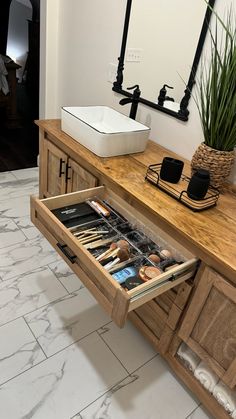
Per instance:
(136,87)
(166,85)
(136,93)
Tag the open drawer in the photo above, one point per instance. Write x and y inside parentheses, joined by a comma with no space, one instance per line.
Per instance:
(117,301)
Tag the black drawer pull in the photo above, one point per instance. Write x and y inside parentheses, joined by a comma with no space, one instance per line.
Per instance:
(60,168)
(62,248)
(67,170)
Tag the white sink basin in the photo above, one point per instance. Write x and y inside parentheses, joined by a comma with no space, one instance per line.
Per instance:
(104,131)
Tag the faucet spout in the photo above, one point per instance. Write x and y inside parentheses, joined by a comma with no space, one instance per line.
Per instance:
(134,100)
(124,101)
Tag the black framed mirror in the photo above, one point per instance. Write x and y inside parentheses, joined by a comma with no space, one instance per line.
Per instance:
(140,16)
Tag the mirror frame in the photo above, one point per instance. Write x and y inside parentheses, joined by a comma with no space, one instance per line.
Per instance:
(183,112)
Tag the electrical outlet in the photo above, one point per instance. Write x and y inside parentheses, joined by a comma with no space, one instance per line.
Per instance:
(134,55)
(111,72)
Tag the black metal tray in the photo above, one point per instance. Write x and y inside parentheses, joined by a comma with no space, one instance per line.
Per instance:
(178,191)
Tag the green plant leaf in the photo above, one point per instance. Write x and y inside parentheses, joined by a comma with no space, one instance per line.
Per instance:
(216,87)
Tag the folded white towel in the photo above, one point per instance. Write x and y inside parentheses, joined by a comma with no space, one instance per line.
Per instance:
(225,396)
(233,414)
(190,359)
(206,376)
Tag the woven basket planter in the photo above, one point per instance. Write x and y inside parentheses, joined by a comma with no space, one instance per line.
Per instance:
(218,163)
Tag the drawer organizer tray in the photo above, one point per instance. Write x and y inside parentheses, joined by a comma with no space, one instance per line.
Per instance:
(117,301)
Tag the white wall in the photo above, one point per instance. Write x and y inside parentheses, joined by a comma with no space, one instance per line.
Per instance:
(49,46)
(89,38)
(17,39)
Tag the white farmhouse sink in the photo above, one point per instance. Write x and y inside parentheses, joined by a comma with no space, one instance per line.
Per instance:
(104,131)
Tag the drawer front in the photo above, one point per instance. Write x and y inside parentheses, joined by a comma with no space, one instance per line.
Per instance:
(115,300)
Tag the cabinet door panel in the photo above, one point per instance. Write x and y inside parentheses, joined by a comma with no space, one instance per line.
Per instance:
(209,326)
(79,179)
(52,170)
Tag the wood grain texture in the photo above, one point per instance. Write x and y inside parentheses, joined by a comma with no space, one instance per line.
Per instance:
(88,281)
(137,321)
(211,235)
(209,326)
(52,183)
(79,178)
(156,322)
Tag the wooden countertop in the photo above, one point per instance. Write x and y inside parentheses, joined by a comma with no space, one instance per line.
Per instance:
(211,234)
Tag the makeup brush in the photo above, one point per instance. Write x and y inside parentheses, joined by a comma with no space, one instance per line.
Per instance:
(80,239)
(74,228)
(122,255)
(121,244)
(88,233)
(109,257)
(112,247)
(98,243)
(90,239)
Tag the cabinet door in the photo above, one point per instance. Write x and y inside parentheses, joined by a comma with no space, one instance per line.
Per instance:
(209,326)
(78,179)
(52,170)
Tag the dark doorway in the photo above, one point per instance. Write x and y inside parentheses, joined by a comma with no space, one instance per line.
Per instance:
(19,94)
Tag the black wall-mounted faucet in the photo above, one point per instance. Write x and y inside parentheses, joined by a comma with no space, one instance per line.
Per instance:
(162,95)
(134,100)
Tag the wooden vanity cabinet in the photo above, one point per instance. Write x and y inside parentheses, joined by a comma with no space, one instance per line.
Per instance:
(59,174)
(201,310)
(209,325)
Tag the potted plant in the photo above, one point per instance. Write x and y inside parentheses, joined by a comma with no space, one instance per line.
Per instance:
(216,102)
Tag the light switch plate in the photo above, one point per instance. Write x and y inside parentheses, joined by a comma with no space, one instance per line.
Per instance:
(134,55)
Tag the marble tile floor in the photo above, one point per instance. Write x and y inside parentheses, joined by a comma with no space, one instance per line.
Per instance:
(60,355)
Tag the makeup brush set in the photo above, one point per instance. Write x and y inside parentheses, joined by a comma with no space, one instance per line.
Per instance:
(124,251)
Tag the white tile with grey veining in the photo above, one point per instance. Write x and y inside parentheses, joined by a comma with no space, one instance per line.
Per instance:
(10,233)
(103,404)
(28,228)
(128,345)
(65,275)
(64,384)
(18,188)
(31,173)
(24,257)
(19,350)
(24,222)
(152,392)
(15,207)
(28,292)
(32,233)
(6,177)
(63,322)
(200,413)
